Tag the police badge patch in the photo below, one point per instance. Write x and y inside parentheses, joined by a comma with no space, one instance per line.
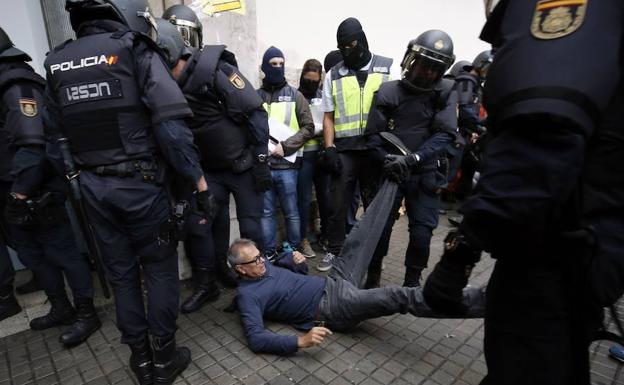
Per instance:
(28,107)
(237,81)
(557,18)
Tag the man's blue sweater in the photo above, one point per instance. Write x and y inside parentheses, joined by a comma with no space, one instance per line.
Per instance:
(279,295)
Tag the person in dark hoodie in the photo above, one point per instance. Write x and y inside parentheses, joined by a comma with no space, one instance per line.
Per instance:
(287,106)
(348,92)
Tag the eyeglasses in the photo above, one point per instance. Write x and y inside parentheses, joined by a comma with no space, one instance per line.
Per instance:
(257,260)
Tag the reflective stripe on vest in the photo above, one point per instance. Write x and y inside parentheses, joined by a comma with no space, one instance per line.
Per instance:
(284,112)
(353,102)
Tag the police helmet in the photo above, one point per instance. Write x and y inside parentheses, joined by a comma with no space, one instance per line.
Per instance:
(427,58)
(135,14)
(170,41)
(8,51)
(187,22)
(482,62)
(459,67)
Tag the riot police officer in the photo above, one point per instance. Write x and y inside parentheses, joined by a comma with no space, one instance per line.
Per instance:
(547,207)
(35,208)
(111,93)
(230,127)
(420,109)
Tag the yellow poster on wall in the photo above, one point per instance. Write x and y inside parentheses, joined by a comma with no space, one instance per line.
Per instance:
(213,7)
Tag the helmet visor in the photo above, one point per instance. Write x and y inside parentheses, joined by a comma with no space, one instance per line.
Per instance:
(189,35)
(422,71)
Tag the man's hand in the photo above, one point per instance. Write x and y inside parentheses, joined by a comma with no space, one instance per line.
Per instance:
(397,167)
(298,257)
(443,290)
(331,161)
(278,152)
(314,337)
(206,204)
(16,211)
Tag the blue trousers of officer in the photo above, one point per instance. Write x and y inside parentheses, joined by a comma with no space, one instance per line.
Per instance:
(130,220)
(51,252)
(249,204)
(7,274)
(422,203)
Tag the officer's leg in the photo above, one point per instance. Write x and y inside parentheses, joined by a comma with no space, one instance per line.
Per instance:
(59,245)
(305,177)
(269,223)
(321,188)
(287,193)
(341,191)
(249,207)
(422,204)
(8,304)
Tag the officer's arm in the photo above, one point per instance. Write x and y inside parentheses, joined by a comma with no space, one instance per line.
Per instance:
(306,126)
(327,106)
(259,338)
(25,128)
(443,128)
(377,122)
(468,118)
(168,106)
(243,105)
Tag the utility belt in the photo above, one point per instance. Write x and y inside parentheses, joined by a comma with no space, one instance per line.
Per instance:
(150,170)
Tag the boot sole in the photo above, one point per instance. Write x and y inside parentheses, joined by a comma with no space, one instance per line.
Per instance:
(205,302)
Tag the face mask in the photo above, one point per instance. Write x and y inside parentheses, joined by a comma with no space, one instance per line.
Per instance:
(274,75)
(309,87)
(356,57)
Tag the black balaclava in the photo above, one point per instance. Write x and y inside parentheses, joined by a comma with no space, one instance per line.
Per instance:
(273,76)
(308,87)
(358,56)
(331,59)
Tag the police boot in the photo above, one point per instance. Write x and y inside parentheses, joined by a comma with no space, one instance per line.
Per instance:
(412,276)
(29,287)
(169,360)
(8,304)
(61,313)
(142,362)
(205,291)
(87,322)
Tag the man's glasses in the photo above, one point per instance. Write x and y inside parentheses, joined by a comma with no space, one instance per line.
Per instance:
(257,260)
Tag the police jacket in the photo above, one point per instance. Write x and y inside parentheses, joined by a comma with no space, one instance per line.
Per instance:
(228,118)
(111,94)
(23,145)
(426,122)
(288,106)
(469,103)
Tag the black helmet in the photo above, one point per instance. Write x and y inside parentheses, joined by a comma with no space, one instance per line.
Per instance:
(482,62)
(8,51)
(187,22)
(135,14)
(427,58)
(459,67)
(170,41)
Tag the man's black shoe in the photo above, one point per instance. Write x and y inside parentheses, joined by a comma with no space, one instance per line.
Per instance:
(87,322)
(141,361)
(169,360)
(205,291)
(61,313)
(29,287)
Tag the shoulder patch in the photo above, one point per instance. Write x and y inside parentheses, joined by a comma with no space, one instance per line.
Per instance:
(28,107)
(237,81)
(557,18)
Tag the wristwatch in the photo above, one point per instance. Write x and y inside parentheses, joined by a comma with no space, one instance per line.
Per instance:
(262,158)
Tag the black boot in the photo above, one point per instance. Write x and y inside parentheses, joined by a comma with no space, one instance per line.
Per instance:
(61,313)
(29,287)
(8,304)
(87,322)
(141,362)
(169,360)
(205,291)
(225,275)
(412,276)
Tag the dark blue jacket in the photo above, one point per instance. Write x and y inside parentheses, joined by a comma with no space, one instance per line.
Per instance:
(279,295)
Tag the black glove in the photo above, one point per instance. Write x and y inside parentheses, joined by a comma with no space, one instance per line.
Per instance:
(17,211)
(331,161)
(206,204)
(443,290)
(262,176)
(397,167)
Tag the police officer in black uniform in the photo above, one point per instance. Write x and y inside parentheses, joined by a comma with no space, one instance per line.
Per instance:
(35,208)
(420,109)
(111,93)
(547,206)
(230,127)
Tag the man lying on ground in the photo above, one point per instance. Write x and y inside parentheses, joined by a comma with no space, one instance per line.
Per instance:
(334,303)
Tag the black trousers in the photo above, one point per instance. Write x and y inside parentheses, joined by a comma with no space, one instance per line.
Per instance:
(7,274)
(130,219)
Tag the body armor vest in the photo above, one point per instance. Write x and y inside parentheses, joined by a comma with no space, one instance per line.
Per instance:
(220,139)
(93,80)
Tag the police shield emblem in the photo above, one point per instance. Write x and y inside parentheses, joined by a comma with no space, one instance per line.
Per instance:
(557,18)
(28,107)
(237,81)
